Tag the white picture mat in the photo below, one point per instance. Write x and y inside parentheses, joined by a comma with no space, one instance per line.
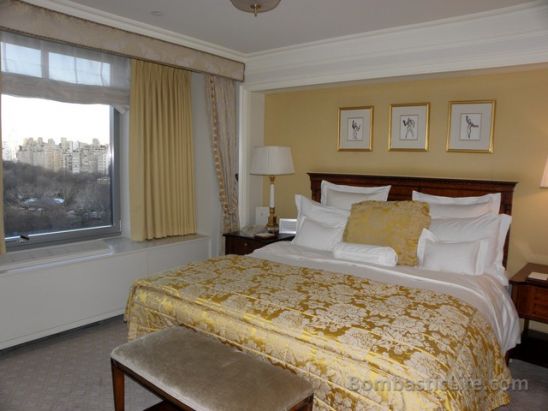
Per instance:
(481,114)
(364,118)
(420,114)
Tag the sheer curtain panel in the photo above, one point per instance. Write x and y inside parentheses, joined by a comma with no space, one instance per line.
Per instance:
(161,152)
(43,69)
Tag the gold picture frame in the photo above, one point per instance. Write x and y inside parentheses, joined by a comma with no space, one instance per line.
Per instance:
(355,128)
(408,127)
(471,126)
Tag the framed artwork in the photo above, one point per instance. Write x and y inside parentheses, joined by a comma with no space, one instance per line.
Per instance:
(471,126)
(408,127)
(355,128)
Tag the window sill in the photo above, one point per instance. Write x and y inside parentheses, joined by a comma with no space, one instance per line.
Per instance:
(23,260)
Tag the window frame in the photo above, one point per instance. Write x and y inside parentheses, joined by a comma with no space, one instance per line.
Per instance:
(89,233)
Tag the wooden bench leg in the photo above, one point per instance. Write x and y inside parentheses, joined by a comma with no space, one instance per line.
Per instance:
(305,405)
(118,387)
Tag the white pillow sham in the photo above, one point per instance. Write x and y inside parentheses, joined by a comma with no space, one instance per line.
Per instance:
(466,257)
(492,228)
(342,196)
(372,254)
(330,216)
(488,203)
(459,210)
(313,234)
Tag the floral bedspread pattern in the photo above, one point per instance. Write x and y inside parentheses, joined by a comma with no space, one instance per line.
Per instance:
(364,345)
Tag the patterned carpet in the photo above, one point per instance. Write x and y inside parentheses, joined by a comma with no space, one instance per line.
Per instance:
(71,372)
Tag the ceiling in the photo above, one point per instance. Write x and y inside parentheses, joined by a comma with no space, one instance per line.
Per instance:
(292,22)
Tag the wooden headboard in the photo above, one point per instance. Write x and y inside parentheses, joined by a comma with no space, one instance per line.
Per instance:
(402,188)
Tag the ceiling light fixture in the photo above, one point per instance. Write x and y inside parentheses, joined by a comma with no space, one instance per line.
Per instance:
(255,6)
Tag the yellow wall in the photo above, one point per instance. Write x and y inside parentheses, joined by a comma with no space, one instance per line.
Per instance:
(306,120)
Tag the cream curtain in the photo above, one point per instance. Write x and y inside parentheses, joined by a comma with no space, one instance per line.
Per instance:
(161,152)
(221,102)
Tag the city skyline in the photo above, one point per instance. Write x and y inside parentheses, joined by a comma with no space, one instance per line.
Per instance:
(74,156)
(38,118)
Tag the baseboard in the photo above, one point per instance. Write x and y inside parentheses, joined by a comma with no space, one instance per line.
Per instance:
(62,329)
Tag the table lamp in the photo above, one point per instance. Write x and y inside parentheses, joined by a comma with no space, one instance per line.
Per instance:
(271,161)
(544,181)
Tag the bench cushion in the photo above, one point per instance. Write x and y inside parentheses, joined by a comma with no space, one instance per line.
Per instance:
(205,374)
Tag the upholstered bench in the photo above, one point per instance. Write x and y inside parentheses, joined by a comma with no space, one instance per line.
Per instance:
(192,371)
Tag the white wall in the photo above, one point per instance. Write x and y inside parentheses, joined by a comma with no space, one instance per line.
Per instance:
(124,174)
(251,132)
(45,299)
(208,207)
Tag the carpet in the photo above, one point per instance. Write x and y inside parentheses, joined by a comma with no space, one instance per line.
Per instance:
(71,372)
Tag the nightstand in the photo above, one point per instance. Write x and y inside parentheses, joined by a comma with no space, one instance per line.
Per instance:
(244,241)
(530,297)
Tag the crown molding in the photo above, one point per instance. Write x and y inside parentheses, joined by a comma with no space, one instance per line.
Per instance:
(533,5)
(512,36)
(113,20)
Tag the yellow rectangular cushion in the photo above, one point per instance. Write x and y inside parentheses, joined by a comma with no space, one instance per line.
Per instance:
(396,224)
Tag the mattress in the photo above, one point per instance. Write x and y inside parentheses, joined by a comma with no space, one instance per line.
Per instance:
(363,343)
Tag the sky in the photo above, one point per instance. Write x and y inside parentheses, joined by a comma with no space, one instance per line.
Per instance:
(32,117)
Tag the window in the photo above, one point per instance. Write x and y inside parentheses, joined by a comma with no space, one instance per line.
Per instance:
(59,174)
(60,127)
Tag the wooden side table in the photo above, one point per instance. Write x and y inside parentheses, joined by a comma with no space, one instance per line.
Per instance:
(244,241)
(530,297)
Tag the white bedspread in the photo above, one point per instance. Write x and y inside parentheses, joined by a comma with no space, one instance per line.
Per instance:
(483,292)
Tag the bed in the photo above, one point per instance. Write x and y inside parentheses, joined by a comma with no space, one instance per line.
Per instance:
(367,337)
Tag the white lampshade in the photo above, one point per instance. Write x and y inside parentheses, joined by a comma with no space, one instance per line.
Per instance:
(271,161)
(544,181)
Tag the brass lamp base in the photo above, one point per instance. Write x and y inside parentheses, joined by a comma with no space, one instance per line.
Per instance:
(272,225)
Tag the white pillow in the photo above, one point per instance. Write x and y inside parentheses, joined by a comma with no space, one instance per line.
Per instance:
(313,234)
(459,210)
(315,211)
(466,257)
(490,227)
(492,206)
(363,253)
(341,196)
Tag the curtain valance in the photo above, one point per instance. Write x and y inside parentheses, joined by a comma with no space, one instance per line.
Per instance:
(25,18)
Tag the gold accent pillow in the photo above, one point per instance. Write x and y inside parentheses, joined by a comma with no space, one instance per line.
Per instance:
(396,224)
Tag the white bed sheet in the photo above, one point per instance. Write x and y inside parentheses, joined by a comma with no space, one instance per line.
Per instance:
(483,292)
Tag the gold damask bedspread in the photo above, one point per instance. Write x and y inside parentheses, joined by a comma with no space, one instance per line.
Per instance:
(364,345)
